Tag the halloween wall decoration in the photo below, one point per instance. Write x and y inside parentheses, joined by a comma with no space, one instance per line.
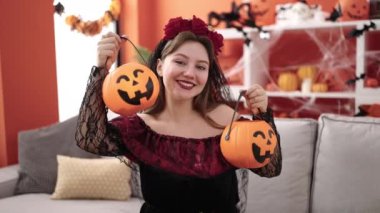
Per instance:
(59,8)
(299,12)
(354,10)
(263,11)
(240,16)
(353,80)
(358,32)
(94,27)
(234,18)
(130,88)
(248,144)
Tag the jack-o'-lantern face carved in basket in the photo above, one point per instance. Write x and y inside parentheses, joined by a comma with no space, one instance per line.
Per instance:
(354,9)
(138,86)
(262,148)
(130,88)
(250,144)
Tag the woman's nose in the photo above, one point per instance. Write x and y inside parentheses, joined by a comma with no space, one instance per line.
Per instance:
(189,72)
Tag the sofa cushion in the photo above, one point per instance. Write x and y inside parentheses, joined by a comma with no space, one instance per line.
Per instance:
(8,180)
(38,149)
(31,203)
(288,192)
(347,168)
(104,178)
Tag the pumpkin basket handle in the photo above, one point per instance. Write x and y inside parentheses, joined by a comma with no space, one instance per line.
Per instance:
(241,94)
(124,37)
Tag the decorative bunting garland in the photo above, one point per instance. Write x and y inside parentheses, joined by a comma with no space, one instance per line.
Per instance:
(94,27)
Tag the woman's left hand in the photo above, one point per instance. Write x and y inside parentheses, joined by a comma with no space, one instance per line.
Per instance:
(257,99)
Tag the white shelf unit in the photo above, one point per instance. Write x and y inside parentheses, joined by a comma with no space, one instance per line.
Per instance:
(361,95)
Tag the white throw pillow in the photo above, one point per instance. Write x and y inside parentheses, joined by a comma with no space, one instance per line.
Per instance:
(347,165)
(80,178)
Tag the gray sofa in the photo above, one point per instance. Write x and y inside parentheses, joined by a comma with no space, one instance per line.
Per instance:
(329,165)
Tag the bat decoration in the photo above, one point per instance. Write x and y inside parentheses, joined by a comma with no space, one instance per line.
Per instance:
(335,14)
(358,32)
(228,17)
(354,80)
(59,8)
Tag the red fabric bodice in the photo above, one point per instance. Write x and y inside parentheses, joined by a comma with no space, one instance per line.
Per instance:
(183,156)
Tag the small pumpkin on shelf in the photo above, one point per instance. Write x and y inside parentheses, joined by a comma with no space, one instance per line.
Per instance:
(288,81)
(319,87)
(307,72)
(371,82)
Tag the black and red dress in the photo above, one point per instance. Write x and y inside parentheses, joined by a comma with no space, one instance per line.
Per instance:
(178,175)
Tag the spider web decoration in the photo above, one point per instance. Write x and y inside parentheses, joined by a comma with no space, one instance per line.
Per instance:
(329,50)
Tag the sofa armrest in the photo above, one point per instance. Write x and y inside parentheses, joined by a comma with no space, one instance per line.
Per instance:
(8,180)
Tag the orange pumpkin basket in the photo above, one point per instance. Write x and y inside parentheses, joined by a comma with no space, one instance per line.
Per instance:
(248,144)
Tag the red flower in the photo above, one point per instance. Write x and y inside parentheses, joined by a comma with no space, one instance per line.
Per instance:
(196,26)
(217,40)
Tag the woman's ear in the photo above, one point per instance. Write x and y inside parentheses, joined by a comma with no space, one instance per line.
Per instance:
(159,67)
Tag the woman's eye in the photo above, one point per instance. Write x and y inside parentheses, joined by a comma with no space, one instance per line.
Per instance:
(179,62)
(201,68)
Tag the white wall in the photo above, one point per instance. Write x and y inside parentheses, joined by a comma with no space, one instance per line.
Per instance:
(76,53)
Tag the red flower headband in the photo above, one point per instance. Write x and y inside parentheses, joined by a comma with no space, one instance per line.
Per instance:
(196,26)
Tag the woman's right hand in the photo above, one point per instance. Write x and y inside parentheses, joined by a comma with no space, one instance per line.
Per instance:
(108,49)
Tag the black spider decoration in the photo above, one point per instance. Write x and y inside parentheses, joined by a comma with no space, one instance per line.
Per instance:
(59,9)
(227,17)
(235,20)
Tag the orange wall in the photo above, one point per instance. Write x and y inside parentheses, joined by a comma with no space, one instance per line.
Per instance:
(28,84)
(3,147)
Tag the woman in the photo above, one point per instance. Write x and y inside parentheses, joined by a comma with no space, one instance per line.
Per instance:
(176,142)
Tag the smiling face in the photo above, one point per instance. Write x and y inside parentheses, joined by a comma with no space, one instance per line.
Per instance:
(354,9)
(185,71)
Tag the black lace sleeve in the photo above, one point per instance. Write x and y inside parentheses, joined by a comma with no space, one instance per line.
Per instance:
(94,134)
(275,165)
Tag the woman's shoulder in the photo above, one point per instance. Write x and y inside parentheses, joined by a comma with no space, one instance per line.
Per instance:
(222,114)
